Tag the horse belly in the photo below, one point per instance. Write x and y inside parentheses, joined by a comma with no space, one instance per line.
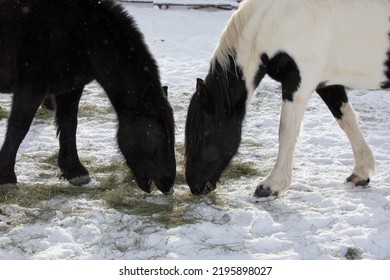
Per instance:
(6,68)
(359,48)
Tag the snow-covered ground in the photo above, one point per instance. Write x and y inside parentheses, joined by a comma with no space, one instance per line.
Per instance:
(319,217)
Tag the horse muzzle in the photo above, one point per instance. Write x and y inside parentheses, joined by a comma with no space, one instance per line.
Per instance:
(199,186)
(164,184)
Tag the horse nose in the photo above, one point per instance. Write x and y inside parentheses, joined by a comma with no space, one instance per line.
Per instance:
(144,184)
(165,184)
(200,186)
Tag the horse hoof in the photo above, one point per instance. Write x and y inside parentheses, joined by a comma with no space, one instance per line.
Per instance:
(358,181)
(264,191)
(79,181)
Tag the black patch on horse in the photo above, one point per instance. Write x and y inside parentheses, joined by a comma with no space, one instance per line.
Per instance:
(334,97)
(386,84)
(262,71)
(281,68)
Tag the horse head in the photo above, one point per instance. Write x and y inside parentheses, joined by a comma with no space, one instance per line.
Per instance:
(213,127)
(147,143)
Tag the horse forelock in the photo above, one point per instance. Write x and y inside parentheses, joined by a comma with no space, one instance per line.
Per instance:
(169,121)
(194,127)
(218,100)
(222,66)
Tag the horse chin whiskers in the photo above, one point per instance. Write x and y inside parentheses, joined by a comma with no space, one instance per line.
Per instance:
(165,187)
(209,187)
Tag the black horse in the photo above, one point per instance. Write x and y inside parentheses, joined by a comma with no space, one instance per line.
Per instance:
(56,47)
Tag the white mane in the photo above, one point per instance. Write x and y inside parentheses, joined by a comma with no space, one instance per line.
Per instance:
(232,33)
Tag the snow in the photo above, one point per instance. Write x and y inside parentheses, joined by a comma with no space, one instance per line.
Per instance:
(319,217)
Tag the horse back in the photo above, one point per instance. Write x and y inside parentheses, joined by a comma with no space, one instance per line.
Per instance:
(9,34)
(341,42)
(43,42)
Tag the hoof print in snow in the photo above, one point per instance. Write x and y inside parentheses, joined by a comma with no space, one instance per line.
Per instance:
(5,188)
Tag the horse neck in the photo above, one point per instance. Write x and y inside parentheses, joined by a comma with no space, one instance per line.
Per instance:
(226,85)
(121,61)
(232,34)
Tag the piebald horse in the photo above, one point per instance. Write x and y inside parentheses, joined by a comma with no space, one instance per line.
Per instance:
(306,45)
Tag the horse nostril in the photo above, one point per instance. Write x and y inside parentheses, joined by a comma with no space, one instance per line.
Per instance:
(164,184)
(170,192)
(144,184)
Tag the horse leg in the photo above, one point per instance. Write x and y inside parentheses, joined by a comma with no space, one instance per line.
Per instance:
(336,99)
(290,122)
(66,119)
(24,106)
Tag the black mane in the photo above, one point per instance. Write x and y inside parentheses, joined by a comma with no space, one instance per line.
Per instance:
(225,88)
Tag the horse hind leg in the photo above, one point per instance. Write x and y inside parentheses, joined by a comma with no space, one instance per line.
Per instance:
(336,99)
(66,120)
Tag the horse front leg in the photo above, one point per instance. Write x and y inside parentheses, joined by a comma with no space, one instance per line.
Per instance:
(66,120)
(336,99)
(24,106)
(290,123)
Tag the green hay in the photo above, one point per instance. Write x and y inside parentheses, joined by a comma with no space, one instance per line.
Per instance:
(236,170)
(50,162)
(112,167)
(44,114)
(173,212)
(34,195)
(99,113)
(116,187)
(180,177)
(4,114)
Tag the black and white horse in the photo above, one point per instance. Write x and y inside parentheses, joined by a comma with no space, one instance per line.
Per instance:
(307,46)
(56,47)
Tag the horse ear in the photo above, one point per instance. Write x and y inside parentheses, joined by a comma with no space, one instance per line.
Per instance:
(201,91)
(165,91)
(200,85)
